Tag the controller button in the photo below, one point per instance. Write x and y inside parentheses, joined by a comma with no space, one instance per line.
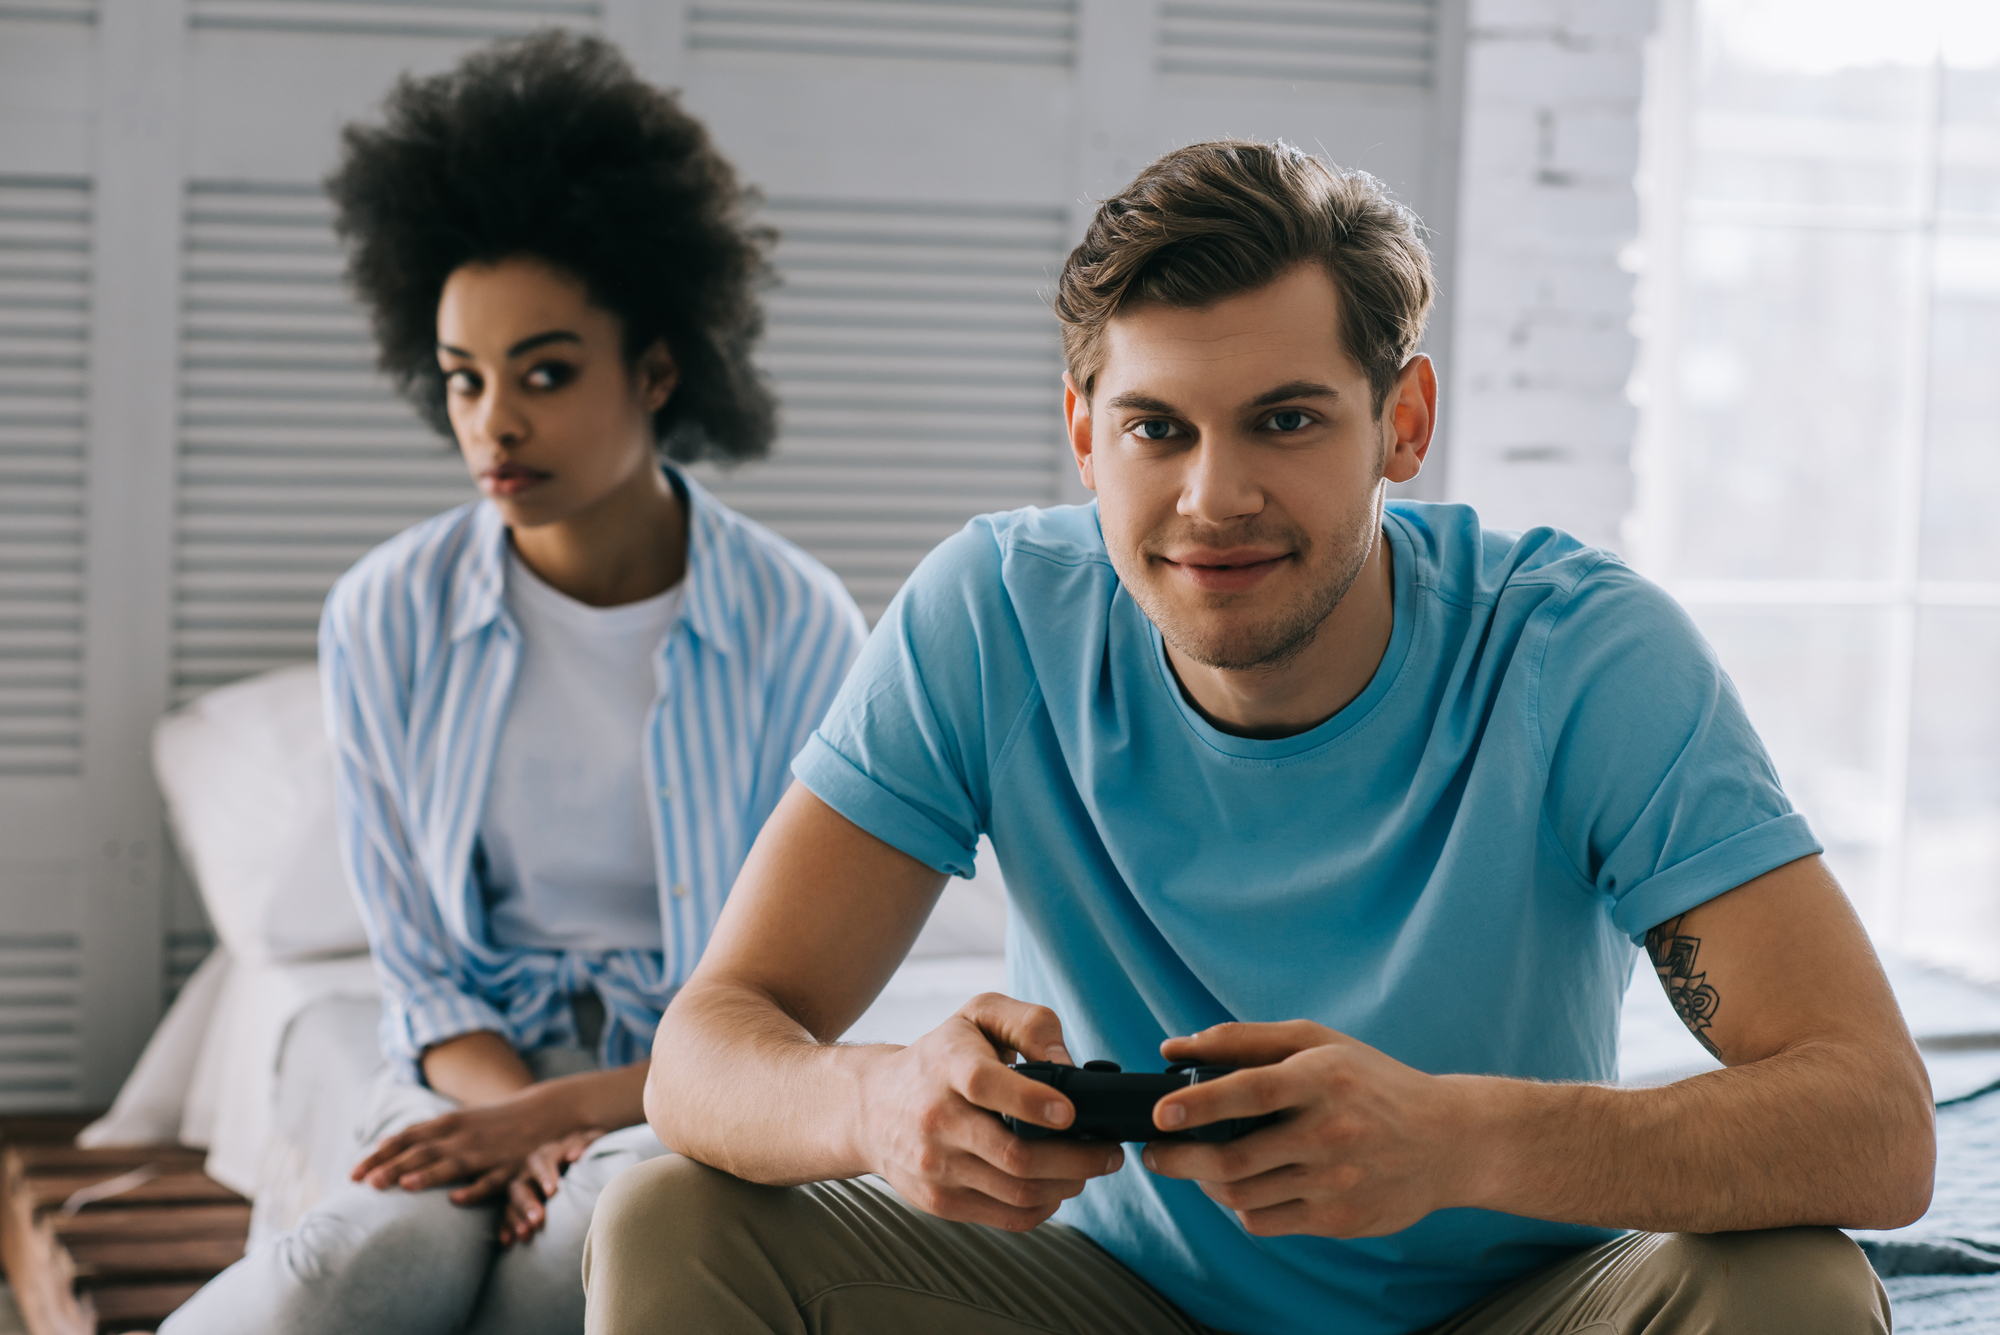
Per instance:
(1109,1068)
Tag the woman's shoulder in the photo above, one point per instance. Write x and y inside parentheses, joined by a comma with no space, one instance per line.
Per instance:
(759,579)
(417,578)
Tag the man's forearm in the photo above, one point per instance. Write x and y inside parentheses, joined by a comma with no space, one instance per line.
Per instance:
(1820,1134)
(738,1084)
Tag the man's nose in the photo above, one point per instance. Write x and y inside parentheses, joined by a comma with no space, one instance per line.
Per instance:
(1219,485)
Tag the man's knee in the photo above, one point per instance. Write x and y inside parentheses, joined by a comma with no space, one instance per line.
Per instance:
(665,1233)
(1775,1281)
(667,1205)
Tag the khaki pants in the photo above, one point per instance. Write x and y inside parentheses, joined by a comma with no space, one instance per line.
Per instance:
(678,1247)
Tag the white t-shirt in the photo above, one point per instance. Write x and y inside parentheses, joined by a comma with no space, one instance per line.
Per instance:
(567,838)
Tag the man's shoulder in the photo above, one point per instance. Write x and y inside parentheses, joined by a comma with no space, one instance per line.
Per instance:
(1034,556)
(1463,561)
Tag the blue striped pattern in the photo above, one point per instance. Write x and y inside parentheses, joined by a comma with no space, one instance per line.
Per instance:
(417,656)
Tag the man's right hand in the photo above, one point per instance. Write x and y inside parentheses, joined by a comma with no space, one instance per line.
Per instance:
(928,1118)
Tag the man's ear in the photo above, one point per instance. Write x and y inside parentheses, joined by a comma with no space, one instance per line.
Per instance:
(656,375)
(1408,419)
(1076,419)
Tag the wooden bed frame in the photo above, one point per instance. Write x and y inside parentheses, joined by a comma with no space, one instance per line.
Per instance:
(102,1241)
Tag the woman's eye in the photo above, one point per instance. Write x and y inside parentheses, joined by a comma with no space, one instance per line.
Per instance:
(1289,419)
(461,381)
(550,375)
(1154,429)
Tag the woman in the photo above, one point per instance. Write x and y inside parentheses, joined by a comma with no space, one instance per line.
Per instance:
(561,714)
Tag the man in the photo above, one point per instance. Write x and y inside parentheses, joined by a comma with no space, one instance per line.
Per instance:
(1361,799)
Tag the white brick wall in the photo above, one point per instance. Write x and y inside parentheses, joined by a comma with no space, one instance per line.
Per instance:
(1539,427)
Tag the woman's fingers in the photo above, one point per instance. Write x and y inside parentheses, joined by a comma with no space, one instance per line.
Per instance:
(409,1161)
(487,1185)
(525,1216)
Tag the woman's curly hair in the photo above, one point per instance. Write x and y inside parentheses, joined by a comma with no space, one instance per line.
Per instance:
(550,146)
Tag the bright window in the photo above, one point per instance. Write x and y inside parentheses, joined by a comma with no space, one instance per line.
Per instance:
(1820,458)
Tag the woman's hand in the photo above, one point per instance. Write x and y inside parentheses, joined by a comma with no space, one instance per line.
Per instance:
(536,1183)
(487,1144)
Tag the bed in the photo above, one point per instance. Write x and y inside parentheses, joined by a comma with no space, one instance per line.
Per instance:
(264,1057)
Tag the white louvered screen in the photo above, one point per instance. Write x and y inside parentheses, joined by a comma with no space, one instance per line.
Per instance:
(1325,41)
(919,376)
(44,327)
(1006,32)
(393,18)
(39,1058)
(50,11)
(295,456)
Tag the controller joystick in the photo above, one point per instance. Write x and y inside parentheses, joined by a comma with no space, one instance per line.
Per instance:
(1116,1105)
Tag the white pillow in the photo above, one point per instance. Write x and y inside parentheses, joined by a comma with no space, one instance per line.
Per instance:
(248,778)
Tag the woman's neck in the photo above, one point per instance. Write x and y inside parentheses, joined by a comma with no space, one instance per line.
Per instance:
(630,545)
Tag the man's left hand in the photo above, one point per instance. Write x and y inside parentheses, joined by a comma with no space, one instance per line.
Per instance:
(1366,1145)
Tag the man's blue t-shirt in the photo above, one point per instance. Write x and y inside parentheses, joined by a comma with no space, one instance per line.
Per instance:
(1453,869)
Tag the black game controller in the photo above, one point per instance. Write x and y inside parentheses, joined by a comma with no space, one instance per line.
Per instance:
(1114,1105)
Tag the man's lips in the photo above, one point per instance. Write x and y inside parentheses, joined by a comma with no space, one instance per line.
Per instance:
(1229,571)
(509,479)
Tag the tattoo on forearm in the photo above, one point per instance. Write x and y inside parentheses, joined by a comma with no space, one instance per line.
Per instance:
(1674,959)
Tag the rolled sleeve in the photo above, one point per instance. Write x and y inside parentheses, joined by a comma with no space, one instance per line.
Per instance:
(841,784)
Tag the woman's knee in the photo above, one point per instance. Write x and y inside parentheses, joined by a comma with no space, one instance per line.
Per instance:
(1813,1281)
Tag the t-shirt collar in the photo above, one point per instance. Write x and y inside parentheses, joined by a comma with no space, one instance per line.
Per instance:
(715,590)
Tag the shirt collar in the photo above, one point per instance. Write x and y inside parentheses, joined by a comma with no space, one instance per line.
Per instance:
(715,590)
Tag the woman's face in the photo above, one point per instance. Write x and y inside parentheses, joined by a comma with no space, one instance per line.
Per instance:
(550,418)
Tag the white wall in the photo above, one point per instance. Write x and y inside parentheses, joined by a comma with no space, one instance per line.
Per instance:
(1539,422)
(193,441)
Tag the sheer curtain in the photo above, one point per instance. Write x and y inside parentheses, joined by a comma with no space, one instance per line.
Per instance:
(1820,393)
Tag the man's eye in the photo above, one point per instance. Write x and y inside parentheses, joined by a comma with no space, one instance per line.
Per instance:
(1289,419)
(1154,429)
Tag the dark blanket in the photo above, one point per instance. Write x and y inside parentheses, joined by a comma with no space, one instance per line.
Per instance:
(1943,1272)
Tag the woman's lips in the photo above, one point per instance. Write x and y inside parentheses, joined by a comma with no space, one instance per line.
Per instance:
(510,479)
(1227,572)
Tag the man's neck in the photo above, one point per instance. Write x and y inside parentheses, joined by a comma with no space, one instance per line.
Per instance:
(1319,681)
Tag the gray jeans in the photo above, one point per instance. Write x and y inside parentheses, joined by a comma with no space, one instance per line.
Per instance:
(395,1261)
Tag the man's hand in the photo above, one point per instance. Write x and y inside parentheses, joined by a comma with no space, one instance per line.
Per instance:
(1366,1145)
(929,1114)
(536,1184)
(487,1144)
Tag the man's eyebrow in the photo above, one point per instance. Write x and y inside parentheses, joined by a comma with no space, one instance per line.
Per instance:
(528,344)
(1144,403)
(1297,389)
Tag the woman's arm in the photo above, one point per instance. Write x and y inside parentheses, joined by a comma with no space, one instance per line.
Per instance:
(490,1138)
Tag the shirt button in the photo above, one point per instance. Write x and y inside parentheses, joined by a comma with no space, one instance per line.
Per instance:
(667,792)
(680,890)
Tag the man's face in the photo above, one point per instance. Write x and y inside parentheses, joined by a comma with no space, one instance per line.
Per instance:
(1238,466)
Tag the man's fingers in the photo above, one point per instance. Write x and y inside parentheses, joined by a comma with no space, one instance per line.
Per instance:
(1249,1093)
(966,1206)
(987,1138)
(1247,1044)
(989,1085)
(1033,1031)
(1280,1186)
(1232,1161)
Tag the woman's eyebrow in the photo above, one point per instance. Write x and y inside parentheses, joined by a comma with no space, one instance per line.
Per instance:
(533,341)
(528,344)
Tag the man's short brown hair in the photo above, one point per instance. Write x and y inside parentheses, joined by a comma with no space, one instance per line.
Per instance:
(1213,220)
